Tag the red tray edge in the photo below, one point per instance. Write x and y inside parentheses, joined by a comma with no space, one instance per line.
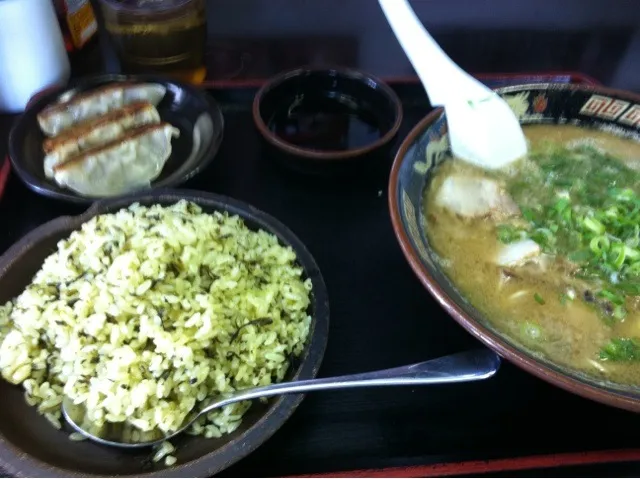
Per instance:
(4,174)
(466,468)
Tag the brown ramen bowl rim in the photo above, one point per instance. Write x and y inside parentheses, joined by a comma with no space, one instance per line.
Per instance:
(354,74)
(469,323)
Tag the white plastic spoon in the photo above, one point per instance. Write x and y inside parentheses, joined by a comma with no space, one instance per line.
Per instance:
(483,129)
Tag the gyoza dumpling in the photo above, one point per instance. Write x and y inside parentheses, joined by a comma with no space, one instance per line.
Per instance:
(124,165)
(84,106)
(96,132)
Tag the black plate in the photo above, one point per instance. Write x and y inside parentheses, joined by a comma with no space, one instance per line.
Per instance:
(30,446)
(193,112)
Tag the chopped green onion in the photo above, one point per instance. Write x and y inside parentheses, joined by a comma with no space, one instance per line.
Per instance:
(626,194)
(619,312)
(614,298)
(594,225)
(579,256)
(561,205)
(599,245)
(509,234)
(584,205)
(621,349)
(618,252)
(631,253)
(634,269)
(539,299)
(629,287)
(529,214)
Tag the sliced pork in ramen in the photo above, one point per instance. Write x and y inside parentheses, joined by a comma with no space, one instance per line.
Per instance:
(475,197)
(518,253)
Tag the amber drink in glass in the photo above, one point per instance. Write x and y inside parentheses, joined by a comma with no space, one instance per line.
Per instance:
(165,37)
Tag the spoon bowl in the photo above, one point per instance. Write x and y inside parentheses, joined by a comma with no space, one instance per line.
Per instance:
(456,368)
(483,130)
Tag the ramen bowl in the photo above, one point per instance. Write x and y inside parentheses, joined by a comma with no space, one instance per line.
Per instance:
(426,149)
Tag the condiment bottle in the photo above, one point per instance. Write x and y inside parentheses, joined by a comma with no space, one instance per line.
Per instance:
(77,22)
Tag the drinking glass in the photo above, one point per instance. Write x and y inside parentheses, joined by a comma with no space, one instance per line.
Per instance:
(165,37)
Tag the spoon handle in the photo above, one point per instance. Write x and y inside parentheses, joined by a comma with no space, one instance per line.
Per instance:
(461,367)
(443,79)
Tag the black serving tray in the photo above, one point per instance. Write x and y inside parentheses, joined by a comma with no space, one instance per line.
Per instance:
(381,318)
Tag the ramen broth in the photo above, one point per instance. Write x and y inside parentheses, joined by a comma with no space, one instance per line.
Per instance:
(553,260)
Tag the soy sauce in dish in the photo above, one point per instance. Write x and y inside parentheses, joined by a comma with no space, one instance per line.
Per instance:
(328,121)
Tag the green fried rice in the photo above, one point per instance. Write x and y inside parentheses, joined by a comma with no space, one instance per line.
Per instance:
(143,313)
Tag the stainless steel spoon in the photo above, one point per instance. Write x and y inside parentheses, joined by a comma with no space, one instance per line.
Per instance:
(461,367)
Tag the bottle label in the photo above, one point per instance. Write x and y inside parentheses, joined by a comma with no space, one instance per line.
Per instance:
(81,21)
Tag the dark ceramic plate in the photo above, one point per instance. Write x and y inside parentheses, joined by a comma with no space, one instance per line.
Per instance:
(30,446)
(587,106)
(192,111)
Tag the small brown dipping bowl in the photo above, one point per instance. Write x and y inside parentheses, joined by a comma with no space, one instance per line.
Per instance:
(322,121)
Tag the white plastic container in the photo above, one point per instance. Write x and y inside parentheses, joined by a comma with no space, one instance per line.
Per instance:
(32,52)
